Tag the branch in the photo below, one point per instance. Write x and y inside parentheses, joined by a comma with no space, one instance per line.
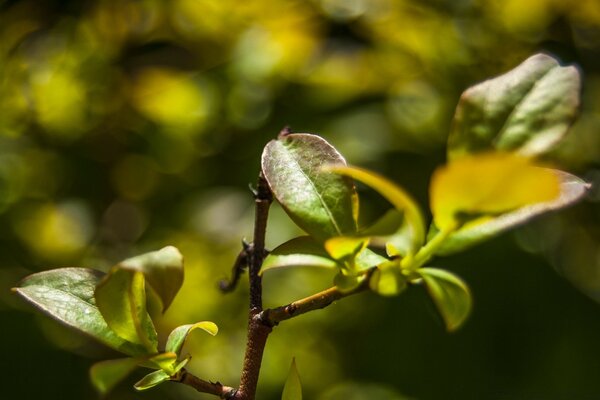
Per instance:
(317,301)
(202,386)
(241,262)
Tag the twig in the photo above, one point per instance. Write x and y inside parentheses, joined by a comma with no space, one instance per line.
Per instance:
(202,386)
(241,262)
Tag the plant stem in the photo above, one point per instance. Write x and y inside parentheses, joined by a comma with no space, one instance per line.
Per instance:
(216,388)
(258,331)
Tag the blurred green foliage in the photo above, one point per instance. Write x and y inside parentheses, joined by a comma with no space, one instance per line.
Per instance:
(129,125)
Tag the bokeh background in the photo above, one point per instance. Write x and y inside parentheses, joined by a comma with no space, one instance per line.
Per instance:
(129,125)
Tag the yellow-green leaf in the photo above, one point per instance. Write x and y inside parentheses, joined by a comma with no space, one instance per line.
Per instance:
(401,200)
(488,183)
(177,337)
(121,298)
(163,270)
(152,379)
(388,280)
(105,375)
(293,387)
(344,247)
(450,295)
(302,251)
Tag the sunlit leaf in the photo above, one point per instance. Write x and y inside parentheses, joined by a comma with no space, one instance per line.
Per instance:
(165,361)
(345,282)
(121,298)
(368,259)
(178,336)
(323,204)
(388,280)
(299,252)
(488,183)
(450,295)
(105,375)
(395,195)
(152,379)
(344,247)
(293,387)
(163,270)
(572,189)
(67,294)
(528,109)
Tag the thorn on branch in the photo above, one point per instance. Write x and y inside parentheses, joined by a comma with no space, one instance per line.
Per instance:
(240,264)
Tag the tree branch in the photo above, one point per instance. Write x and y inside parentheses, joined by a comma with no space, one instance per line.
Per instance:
(202,386)
(317,301)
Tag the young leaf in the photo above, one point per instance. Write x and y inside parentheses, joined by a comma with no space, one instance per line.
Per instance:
(368,259)
(528,109)
(67,294)
(163,270)
(323,204)
(450,295)
(165,361)
(395,195)
(152,379)
(572,189)
(488,183)
(344,247)
(121,298)
(105,375)
(293,387)
(177,337)
(388,280)
(299,252)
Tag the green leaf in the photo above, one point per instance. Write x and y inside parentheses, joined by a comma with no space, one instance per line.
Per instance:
(488,183)
(177,337)
(396,196)
(388,280)
(347,282)
(368,259)
(323,204)
(529,109)
(293,387)
(152,379)
(450,295)
(165,361)
(105,375)
(163,270)
(121,298)
(344,247)
(572,189)
(299,252)
(67,294)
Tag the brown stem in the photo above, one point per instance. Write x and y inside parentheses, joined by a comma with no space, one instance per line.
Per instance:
(317,301)
(215,388)
(258,331)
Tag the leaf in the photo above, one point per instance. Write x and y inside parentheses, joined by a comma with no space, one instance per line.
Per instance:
(163,270)
(344,247)
(395,195)
(302,251)
(368,259)
(178,336)
(572,189)
(152,379)
(347,282)
(529,109)
(388,280)
(121,298)
(292,390)
(105,375)
(67,294)
(165,361)
(488,183)
(450,295)
(323,204)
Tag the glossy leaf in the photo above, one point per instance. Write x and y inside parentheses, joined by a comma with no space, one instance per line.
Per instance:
(488,183)
(165,361)
(67,294)
(344,247)
(178,336)
(152,379)
(163,270)
(572,189)
(105,375)
(450,295)
(388,280)
(395,195)
(323,204)
(293,387)
(529,109)
(121,298)
(368,259)
(299,252)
